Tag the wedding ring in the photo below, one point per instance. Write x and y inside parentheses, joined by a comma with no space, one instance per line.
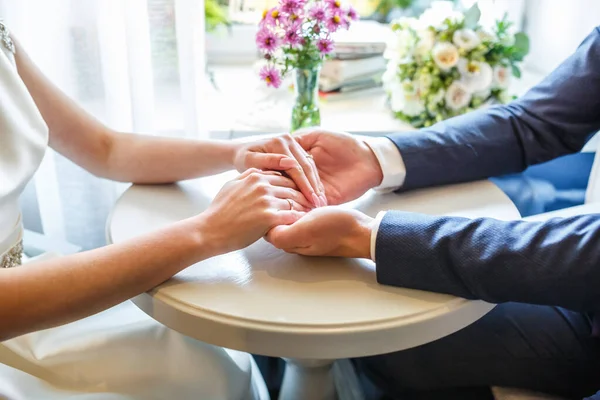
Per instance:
(291,204)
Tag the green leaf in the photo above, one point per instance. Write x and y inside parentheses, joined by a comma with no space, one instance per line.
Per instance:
(516,71)
(472,16)
(521,44)
(215,15)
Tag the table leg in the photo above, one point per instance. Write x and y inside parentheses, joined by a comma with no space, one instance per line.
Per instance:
(308,379)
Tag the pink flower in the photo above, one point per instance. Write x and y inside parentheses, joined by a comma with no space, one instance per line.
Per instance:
(318,12)
(334,22)
(292,21)
(291,37)
(352,14)
(291,6)
(271,17)
(325,46)
(266,40)
(335,6)
(271,76)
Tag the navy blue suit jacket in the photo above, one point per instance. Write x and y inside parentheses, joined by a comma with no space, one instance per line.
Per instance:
(555,262)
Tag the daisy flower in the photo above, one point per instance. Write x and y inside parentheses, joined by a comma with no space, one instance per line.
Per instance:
(335,6)
(334,22)
(267,40)
(272,17)
(325,46)
(318,12)
(271,76)
(291,6)
(352,14)
(291,37)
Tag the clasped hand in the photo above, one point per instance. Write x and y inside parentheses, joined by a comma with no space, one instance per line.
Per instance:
(284,190)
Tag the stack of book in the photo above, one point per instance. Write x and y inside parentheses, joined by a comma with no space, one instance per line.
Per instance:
(358,62)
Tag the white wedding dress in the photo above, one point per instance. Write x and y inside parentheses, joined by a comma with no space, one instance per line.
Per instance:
(120,353)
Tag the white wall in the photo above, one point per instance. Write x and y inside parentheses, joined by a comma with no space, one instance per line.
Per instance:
(556,28)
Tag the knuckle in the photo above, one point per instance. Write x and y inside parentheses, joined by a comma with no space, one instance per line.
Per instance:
(255,176)
(262,189)
(263,203)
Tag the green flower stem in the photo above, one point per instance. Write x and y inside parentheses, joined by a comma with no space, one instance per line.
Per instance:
(306,110)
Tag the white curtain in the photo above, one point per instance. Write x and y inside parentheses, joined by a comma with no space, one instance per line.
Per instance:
(137,65)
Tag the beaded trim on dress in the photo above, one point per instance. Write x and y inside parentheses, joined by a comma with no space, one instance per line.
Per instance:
(5,38)
(13,257)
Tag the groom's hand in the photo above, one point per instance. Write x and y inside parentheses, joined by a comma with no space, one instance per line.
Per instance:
(326,231)
(347,166)
(282,153)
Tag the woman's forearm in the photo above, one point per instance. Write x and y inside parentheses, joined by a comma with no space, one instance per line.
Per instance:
(146,159)
(124,157)
(44,294)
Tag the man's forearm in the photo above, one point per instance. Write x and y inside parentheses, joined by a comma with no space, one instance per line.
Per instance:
(147,159)
(553,262)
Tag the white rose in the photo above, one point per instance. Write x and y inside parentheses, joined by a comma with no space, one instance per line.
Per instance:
(438,13)
(475,75)
(445,55)
(399,45)
(425,43)
(483,94)
(485,36)
(405,98)
(502,77)
(457,96)
(391,74)
(466,39)
(413,107)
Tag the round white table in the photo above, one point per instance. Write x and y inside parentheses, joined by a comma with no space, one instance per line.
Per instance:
(310,311)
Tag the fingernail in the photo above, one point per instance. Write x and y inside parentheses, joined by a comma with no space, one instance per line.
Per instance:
(287,163)
(324,200)
(316,200)
(277,173)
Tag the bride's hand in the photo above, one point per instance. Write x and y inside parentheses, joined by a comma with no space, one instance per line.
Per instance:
(247,207)
(283,153)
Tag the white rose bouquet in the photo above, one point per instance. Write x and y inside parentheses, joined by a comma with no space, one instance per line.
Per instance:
(445,64)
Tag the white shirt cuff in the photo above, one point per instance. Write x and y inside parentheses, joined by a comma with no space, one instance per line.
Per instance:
(390,160)
(374,231)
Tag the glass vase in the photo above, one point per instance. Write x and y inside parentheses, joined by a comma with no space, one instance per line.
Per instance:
(306,110)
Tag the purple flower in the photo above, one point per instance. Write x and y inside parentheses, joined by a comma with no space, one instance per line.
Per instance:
(318,12)
(291,37)
(266,40)
(325,46)
(271,76)
(291,6)
(292,21)
(334,22)
(352,14)
(271,17)
(335,6)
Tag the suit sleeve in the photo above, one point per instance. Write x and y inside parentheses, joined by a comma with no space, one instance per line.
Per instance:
(555,262)
(554,118)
